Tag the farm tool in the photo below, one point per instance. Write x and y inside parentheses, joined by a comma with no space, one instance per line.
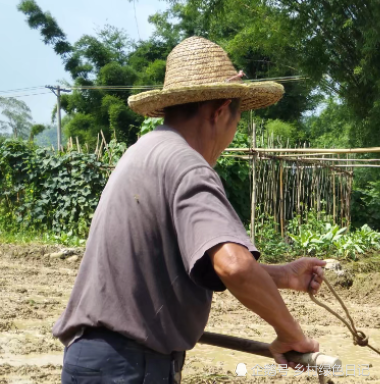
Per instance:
(317,361)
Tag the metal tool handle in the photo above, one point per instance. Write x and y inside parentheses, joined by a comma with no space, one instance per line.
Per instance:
(262,349)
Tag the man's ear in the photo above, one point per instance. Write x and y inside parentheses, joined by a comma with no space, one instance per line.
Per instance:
(219,111)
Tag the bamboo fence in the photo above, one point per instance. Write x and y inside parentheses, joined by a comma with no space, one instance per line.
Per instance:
(285,186)
(288,188)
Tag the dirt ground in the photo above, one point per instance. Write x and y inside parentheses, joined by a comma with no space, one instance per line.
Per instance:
(34,289)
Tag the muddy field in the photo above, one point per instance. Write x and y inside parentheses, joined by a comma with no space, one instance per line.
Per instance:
(35,287)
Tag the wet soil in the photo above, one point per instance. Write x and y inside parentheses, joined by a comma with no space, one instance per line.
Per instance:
(34,289)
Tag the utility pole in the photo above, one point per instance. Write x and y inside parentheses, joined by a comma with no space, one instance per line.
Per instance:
(58,94)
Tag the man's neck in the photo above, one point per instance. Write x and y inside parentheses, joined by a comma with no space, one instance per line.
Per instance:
(201,137)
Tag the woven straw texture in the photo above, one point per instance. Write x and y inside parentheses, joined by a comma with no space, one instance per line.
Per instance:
(199,70)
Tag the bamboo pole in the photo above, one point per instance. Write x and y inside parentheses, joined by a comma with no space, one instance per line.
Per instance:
(311,161)
(97,143)
(298,196)
(103,139)
(346,166)
(306,150)
(305,154)
(78,145)
(302,187)
(357,165)
(341,198)
(100,150)
(305,161)
(349,199)
(334,197)
(319,195)
(348,202)
(336,159)
(253,200)
(281,200)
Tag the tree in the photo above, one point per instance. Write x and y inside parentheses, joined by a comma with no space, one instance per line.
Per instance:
(284,134)
(333,44)
(48,137)
(338,47)
(35,130)
(110,59)
(321,130)
(98,61)
(51,32)
(18,117)
(251,32)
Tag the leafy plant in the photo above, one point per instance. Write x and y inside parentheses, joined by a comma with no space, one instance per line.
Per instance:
(48,191)
(269,241)
(317,242)
(113,152)
(325,239)
(307,241)
(149,124)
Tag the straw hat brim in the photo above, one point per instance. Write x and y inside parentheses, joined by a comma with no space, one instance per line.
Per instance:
(253,96)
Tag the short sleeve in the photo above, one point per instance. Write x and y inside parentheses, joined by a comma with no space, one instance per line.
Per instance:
(203,217)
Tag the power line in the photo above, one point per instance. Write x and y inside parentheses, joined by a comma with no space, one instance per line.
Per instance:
(22,89)
(283,79)
(31,94)
(139,87)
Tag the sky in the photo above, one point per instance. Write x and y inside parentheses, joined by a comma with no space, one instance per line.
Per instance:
(26,62)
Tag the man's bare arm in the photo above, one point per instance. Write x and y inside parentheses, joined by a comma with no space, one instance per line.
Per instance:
(255,289)
(298,274)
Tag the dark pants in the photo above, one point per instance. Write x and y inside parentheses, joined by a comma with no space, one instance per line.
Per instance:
(101,356)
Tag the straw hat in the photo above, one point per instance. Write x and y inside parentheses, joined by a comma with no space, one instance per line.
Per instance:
(199,70)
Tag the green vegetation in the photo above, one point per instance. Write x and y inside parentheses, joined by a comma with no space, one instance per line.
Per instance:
(45,191)
(333,46)
(51,197)
(317,236)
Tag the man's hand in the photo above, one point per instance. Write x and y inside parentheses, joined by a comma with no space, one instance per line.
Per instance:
(297,274)
(281,346)
(300,272)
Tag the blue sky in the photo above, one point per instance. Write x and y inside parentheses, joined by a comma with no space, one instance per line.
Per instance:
(27,62)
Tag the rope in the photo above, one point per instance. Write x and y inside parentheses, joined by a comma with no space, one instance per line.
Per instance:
(359,337)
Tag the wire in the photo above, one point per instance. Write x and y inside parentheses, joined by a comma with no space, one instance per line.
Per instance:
(280,79)
(22,89)
(31,94)
(139,87)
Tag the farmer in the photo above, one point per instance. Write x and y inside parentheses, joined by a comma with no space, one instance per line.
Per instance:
(164,236)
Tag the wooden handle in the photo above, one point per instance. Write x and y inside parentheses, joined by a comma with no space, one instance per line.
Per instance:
(262,349)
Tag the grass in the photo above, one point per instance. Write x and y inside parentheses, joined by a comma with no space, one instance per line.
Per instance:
(32,236)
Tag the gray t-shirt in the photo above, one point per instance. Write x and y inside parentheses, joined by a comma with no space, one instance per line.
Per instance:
(145,273)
